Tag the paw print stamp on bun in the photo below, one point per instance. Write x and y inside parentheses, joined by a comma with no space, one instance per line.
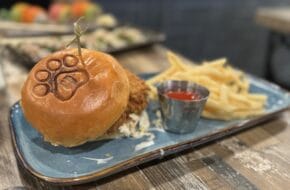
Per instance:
(62,76)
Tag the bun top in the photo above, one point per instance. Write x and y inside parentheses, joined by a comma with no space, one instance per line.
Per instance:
(72,99)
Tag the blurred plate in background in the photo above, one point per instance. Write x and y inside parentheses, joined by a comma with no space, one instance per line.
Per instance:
(29,50)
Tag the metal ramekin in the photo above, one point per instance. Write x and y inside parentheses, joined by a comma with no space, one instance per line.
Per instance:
(181,116)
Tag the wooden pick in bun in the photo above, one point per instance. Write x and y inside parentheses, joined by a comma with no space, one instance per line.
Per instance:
(71,99)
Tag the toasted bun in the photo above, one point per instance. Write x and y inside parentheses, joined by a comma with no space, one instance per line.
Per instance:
(70,101)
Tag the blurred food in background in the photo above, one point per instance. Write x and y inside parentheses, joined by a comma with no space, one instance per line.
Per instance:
(84,8)
(30,50)
(40,32)
(58,12)
(24,12)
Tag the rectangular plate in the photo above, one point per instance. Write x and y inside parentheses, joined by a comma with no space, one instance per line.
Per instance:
(79,165)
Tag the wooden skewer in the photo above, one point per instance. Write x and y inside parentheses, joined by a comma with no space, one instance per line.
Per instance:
(78,31)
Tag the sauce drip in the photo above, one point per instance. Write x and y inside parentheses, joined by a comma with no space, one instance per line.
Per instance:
(182,95)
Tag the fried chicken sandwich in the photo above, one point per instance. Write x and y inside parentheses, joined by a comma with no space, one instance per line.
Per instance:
(72,98)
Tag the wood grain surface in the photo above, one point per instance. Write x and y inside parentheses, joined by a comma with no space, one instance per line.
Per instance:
(258,158)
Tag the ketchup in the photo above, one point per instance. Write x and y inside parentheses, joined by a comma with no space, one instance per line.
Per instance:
(182,95)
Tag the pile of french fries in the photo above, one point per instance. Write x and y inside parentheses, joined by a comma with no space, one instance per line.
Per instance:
(229,89)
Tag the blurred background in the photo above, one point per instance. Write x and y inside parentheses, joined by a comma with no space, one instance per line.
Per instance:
(204,30)
(209,29)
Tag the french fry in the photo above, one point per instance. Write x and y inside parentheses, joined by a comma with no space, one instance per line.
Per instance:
(161,76)
(229,90)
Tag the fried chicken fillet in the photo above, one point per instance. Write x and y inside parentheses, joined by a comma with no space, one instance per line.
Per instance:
(138,101)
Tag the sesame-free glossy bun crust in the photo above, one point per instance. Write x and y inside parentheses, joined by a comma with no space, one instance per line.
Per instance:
(70,101)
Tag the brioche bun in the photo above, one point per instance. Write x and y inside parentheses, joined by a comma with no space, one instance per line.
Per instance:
(71,100)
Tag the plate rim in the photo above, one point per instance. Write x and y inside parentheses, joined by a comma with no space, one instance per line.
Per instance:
(149,156)
(137,160)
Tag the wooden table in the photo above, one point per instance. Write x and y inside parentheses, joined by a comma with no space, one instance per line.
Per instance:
(258,158)
(277,21)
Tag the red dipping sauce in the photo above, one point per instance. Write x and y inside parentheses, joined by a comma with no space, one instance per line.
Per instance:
(182,95)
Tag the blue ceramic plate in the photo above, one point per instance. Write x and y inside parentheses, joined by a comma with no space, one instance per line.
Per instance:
(95,160)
